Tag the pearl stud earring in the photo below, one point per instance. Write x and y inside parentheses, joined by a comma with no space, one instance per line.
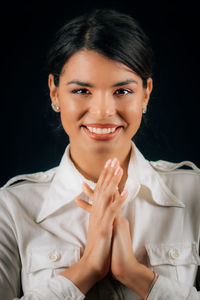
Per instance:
(144,110)
(56,108)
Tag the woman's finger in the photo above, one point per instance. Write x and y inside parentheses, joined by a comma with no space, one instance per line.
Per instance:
(83,204)
(118,199)
(111,172)
(113,179)
(87,190)
(123,196)
(104,173)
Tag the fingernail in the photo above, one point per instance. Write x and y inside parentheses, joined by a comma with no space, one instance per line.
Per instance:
(113,162)
(107,163)
(117,171)
(124,192)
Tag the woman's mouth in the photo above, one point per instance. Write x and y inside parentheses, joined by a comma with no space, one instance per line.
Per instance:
(101,133)
(101,130)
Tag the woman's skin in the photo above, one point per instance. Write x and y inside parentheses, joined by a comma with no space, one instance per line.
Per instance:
(103,93)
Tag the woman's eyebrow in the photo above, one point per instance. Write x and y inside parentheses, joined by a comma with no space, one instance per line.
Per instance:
(125,82)
(81,83)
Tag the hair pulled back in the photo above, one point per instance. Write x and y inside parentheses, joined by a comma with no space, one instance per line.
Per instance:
(113,34)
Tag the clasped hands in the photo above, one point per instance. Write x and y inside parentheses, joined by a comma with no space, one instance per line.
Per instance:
(109,245)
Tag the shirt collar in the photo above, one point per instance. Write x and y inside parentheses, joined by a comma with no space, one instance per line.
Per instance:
(67,182)
(149,181)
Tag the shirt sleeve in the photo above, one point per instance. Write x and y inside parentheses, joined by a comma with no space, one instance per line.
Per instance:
(166,288)
(57,288)
(9,257)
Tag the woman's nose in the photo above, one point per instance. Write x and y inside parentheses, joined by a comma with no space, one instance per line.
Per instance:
(103,106)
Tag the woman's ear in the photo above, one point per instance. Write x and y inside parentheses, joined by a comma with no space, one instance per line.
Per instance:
(53,90)
(147,91)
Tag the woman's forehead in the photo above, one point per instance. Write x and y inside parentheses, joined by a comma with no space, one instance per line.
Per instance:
(87,64)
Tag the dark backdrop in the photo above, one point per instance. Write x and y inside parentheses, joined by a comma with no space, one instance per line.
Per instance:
(28,143)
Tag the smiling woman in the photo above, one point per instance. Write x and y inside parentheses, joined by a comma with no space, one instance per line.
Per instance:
(101,103)
(106,223)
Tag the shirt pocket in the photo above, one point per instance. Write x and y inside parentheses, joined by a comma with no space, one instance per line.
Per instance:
(176,260)
(51,258)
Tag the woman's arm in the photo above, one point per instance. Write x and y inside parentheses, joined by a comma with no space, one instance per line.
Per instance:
(95,262)
(138,277)
(57,288)
(78,279)
(134,275)
(9,257)
(124,266)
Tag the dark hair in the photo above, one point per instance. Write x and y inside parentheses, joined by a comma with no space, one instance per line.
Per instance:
(108,32)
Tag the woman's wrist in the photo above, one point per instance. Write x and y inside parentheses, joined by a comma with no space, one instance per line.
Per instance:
(152,284)
(140,279)
(82,276)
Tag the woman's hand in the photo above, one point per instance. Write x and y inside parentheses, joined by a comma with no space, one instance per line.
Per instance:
(103,212)
(124,266)
(118,255)
(123,260)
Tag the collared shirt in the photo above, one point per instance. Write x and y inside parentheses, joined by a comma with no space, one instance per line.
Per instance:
(43,231)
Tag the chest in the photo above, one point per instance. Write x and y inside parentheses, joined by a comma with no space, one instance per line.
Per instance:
(160,236)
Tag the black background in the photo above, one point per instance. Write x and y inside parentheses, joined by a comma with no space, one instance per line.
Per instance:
(28,143)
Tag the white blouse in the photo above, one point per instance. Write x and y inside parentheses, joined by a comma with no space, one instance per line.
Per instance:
(43,231)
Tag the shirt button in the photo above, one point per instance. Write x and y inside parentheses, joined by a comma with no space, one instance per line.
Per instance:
(54,256)
(174,253)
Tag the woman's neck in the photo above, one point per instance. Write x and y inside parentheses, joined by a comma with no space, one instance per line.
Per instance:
(90,164)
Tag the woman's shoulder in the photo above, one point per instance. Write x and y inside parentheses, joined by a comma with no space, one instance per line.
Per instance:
(182,178)
(38,177)
(26,188)
(183,167)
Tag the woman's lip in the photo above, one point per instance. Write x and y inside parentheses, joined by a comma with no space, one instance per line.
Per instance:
(101,137)
(96,125)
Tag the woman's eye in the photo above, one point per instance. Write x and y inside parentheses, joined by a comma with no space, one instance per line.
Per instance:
(81,91)
(123,92)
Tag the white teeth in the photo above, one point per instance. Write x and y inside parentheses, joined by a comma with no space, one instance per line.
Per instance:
(101,130)
(98,130)
(105,130)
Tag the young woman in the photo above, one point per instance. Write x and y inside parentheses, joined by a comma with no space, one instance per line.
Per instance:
(106,223)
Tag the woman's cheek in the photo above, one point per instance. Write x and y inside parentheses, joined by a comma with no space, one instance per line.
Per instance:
(132,112)
(70,113)
(133,118)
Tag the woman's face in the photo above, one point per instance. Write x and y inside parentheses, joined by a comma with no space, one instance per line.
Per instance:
(100,102)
